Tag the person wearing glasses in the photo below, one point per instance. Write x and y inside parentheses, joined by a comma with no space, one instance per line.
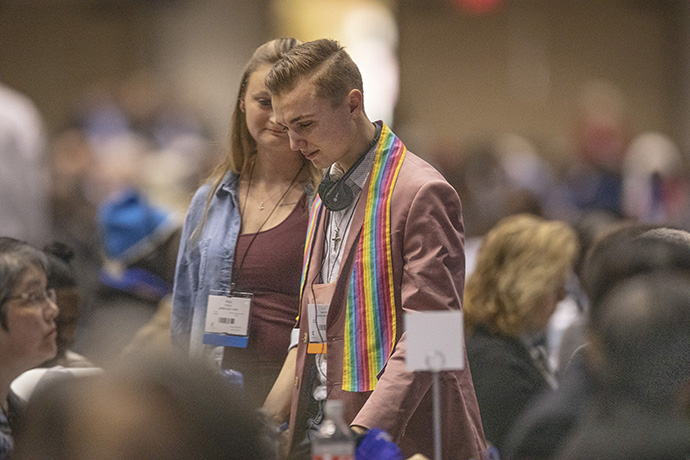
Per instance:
(27,325)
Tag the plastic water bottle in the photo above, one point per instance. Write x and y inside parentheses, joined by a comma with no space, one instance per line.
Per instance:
(334,439)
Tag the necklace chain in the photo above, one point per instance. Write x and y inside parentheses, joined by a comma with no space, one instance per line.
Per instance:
(337,239)
(263,203)
(236,272)
(261,206)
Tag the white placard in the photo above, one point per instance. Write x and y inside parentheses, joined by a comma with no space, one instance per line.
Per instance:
(435,341)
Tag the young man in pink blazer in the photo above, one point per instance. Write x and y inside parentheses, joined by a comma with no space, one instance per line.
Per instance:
(385,237)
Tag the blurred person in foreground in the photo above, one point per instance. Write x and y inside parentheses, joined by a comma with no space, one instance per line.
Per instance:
(640,352)
(27,325)
(385,237)
(522,267)
(626,251)
(146,408)
(243,241)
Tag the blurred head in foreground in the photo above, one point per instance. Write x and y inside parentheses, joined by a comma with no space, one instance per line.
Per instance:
(150,408)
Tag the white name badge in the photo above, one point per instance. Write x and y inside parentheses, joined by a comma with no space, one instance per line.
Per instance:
(317,315)
(228,315)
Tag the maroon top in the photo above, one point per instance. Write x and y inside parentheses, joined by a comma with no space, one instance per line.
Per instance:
(269,265)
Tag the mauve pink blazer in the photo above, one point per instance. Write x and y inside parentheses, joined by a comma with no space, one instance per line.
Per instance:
(429,271)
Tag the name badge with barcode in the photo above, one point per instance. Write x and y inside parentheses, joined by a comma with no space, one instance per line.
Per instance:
(317,315)
(227,319)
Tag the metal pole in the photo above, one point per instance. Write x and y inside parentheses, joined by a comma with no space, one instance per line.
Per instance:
(437,415)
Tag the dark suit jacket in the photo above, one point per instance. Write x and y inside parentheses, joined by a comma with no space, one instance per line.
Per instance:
(505,380)
(619,428)
(428,268)
(548,421)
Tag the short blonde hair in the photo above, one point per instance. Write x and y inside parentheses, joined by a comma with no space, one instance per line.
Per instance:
(327,64)
(522,261)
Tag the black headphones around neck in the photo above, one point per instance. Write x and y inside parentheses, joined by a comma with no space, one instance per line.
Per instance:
(338,195)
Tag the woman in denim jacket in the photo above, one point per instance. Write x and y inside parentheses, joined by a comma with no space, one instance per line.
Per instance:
(235,297)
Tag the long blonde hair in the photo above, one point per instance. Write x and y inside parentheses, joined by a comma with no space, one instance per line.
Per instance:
(521,261)
(242,146)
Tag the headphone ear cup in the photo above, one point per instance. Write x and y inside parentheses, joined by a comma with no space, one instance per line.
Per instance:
(337,195)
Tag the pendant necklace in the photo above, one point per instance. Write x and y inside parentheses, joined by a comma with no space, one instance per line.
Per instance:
(262,205)
(334,255)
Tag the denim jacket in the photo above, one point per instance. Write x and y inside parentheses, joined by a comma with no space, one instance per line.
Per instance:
(204,263)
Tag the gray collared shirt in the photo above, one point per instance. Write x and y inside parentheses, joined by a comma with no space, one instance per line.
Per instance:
(338,226)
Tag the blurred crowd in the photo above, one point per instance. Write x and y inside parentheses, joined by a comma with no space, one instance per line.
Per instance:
(111,185)
(105,196)
(608,167)
(130,147)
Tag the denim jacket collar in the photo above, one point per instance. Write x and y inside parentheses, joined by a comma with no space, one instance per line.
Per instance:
(228,185)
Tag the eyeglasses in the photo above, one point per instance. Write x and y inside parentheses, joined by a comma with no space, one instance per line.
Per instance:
(34,298)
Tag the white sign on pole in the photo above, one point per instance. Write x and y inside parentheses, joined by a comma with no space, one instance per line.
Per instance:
(435,341)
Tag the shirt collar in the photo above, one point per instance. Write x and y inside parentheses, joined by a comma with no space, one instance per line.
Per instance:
(361,171)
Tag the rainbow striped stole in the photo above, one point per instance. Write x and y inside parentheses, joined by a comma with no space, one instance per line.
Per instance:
(311,231)
(370,325)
